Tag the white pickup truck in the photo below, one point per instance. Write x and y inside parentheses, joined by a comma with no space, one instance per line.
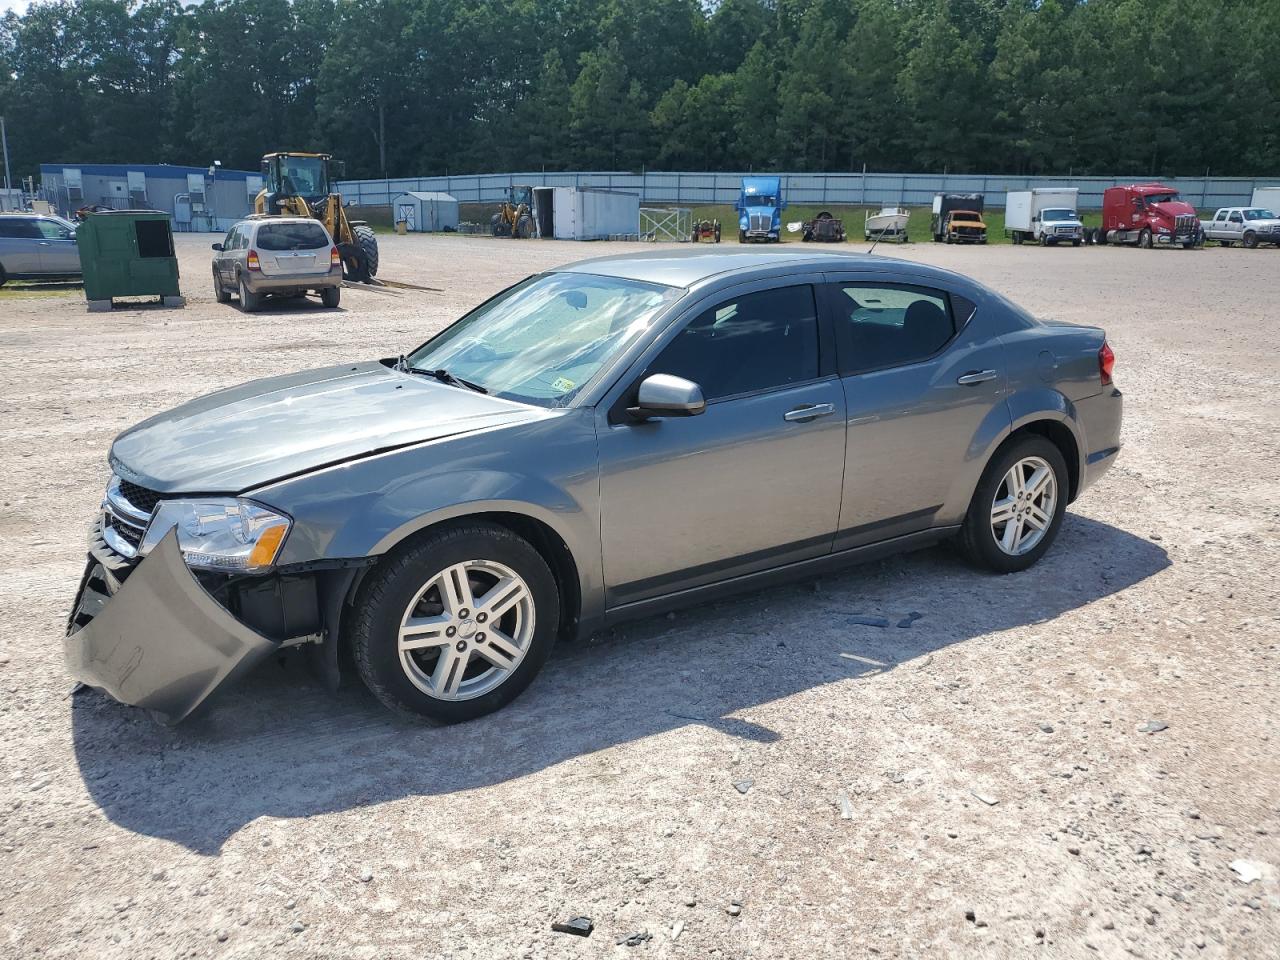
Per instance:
(1247,226)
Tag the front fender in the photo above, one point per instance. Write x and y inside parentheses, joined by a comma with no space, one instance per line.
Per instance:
(545,470)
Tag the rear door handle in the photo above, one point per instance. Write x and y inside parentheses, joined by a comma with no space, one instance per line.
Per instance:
(976,376)
(810,411)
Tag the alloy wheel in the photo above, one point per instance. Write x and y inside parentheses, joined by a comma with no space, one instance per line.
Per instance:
(1023,507)
(466,630)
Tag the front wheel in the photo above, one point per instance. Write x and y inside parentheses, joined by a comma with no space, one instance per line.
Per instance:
(1144,239)
(1018,506)
(456,624)
(1250,240)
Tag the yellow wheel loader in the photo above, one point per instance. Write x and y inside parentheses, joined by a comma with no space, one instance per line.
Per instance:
(515,217)
(298,185)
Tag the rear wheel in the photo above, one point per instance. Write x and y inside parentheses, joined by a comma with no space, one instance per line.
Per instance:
(456,624)
(331,296)
(4,277)
(367,241)
(219,291)
(249,301)
(1018,506)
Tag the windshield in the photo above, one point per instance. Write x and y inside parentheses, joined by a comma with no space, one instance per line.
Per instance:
(1058,213)
(965,215)
(759,200)
(543,339)
(291,236)
(1161,197)
(1257,213)
(303,176)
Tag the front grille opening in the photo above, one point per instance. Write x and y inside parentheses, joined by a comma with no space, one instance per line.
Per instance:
(130,534)
(141,498)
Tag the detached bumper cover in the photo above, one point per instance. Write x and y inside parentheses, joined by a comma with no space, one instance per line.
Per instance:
(160,641)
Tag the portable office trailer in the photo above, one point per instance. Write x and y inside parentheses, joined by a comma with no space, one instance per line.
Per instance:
(585,213)
(423,211)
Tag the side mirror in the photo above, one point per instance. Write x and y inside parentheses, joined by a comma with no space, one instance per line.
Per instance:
(664,395)
(218,247)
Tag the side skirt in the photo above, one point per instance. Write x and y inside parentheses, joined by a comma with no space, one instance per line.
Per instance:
(783,574)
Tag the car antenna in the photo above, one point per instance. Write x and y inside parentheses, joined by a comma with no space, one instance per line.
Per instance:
(875,242)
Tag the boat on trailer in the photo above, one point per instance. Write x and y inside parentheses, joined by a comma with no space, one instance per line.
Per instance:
(889,224)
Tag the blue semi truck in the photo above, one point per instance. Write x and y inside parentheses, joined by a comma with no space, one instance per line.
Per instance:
(760,207)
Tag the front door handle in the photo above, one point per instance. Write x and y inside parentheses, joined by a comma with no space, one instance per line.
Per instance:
(810,411)
(976,376)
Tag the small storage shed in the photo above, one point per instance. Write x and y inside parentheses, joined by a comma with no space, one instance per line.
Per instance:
(423,211)
(586,213)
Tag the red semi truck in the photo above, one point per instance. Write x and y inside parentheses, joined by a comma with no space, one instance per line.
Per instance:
(1148,214)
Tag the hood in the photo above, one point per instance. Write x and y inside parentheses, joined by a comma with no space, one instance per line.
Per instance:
(967,222)
(1174,208)
(268,429)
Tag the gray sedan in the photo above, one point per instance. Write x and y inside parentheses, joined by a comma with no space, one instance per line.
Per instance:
(603,441)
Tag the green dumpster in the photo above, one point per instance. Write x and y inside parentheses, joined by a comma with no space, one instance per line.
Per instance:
(127,253)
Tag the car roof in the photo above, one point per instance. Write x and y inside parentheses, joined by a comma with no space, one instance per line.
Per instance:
(688,268)
(259,220)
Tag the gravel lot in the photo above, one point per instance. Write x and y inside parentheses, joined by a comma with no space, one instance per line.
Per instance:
(756,779)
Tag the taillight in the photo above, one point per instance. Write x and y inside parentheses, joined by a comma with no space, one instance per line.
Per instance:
(1106,363)
(334,259)
(252,260)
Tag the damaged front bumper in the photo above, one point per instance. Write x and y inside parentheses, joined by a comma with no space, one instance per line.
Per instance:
(158,639)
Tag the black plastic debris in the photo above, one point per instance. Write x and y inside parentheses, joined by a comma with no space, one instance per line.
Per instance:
(867,621)
(578,926)
(909,619)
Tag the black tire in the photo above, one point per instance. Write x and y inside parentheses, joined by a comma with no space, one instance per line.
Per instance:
(717,228)
(1100,236)
(220,293)
(1017,238)
(742,236)
(977,537)
(524,227)
(1249,241)
(388,591)
(367,242)
(250,302)
(1076,243)
(331,296)
(4,277)
(1144,239)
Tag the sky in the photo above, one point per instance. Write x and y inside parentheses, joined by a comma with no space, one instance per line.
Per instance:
(18,5)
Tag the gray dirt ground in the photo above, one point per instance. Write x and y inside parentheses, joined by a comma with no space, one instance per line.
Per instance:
(288,823)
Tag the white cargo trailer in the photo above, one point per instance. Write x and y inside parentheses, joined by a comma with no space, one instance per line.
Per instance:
(1047,216)
(1268,198)
(586,213)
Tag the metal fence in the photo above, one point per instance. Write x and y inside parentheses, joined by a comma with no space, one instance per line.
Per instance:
(870,189)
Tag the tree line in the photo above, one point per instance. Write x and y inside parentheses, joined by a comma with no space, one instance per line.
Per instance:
(426,87)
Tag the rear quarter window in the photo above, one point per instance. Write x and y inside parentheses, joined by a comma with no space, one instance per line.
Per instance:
(291,236)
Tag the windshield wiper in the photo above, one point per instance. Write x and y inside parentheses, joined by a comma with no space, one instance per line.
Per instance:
(444,376)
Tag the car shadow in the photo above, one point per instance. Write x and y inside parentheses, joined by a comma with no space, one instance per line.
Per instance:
(279,745)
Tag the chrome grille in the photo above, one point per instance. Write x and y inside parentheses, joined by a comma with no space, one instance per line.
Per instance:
(1184,224)
(124,520)
(760,223)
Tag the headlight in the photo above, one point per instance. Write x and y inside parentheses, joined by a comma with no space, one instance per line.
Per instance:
(1162,230)
(220,533)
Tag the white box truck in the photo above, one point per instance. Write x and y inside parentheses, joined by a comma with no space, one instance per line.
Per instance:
(1046,216)
(1268,198)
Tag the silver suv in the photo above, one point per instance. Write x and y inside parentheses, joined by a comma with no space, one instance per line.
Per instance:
(36,247)
(279,256)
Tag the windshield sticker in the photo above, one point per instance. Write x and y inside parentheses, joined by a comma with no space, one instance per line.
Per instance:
(563,384)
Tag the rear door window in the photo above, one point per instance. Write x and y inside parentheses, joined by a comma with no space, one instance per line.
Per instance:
(18,227)
(291,236)
(889,325)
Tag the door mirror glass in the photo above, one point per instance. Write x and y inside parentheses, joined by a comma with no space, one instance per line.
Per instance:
(665,395)
(218,247)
